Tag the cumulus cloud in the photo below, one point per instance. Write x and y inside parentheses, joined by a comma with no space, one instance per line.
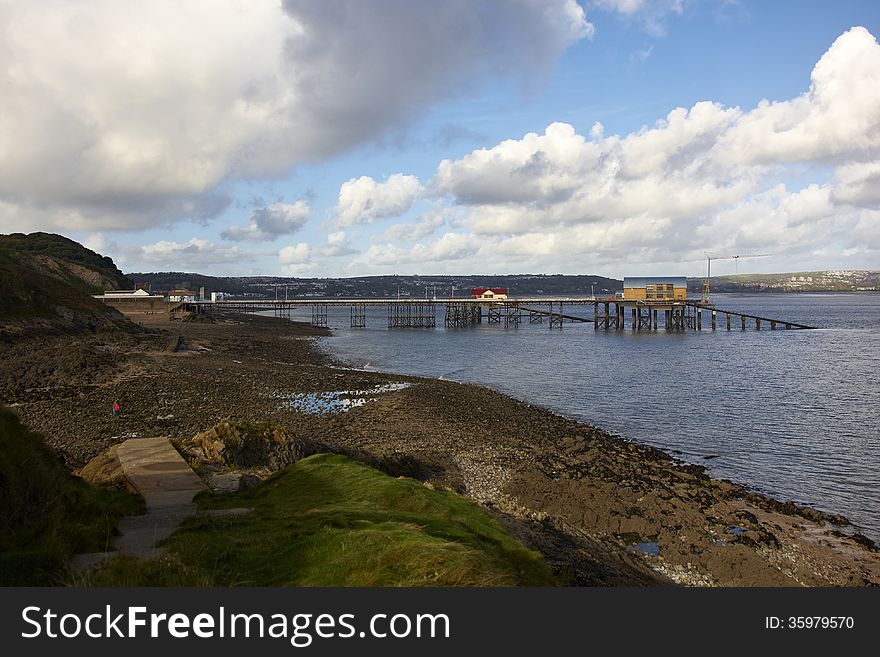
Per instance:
(122,116)
(426,225)
(295,254)
(299,258)
(449,247)
(363,200)
(338,244)
(837,119)
(168,255)
(271,222)
(708,177)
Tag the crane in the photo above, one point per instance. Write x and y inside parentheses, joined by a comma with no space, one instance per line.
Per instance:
(710,258)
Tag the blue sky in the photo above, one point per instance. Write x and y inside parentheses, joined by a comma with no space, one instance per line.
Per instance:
(354,138)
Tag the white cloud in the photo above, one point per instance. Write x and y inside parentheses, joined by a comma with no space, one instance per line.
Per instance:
(535,168)
(707,177)
(837,119)
(271,222)
(865,234)
(174,256)
(449,247)
(628,7)
(295,254)
(426,225)
(101,244)
(338,244)
(363,200)
(651,14)
(641,55)
(124,116)
(858,184)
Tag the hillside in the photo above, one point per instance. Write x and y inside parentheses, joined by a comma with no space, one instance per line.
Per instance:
(46,514)
(379,286)
(833,280)
(45,286)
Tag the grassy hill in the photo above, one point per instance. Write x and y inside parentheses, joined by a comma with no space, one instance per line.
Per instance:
(330,521)
(47,514)
(45,285)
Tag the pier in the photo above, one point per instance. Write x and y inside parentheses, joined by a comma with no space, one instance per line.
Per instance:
(605,313)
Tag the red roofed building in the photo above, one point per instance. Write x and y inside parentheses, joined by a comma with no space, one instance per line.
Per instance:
(489,293)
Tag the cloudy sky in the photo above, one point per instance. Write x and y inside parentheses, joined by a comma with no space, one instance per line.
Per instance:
(359,137)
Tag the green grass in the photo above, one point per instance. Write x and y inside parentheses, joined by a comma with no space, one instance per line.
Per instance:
(47,514)
(330,521)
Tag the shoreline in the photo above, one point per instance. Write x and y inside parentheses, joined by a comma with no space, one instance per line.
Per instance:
(603,508)
(838,521)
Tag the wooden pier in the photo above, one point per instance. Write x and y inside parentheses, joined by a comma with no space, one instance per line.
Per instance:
(607,314)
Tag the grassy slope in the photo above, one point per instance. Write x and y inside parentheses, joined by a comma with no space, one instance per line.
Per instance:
(63,250)
(47,514)
(330,521)
(35,296)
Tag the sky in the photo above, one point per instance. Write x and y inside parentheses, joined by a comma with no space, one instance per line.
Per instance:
(361,137)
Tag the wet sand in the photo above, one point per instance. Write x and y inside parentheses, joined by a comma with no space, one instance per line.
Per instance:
(603,510)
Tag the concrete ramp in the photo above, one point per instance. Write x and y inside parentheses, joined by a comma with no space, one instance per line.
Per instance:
(152,468)
(155,470)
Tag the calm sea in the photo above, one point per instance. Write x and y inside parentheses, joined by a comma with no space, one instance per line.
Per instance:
(793,414)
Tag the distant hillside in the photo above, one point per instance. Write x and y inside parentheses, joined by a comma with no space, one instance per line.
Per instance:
(832,280)
(378,286)
(45,285)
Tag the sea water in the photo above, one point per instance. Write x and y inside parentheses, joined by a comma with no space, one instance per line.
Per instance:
(792,414)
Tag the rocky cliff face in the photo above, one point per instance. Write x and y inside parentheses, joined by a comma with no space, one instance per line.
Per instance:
(46,283)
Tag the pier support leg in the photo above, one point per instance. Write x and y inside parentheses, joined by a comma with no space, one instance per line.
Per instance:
(728,321)
(713,320)
(655,320)
(319,314)
(607,306)
(635,322)
(757,324)
(358,316)
(699,320)
(743,319)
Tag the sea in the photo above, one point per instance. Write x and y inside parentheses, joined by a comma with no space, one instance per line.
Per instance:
(794,414)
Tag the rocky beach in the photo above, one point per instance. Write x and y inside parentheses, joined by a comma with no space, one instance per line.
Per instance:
(601,509)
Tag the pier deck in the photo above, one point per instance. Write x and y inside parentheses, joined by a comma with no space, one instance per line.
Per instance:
(605,313)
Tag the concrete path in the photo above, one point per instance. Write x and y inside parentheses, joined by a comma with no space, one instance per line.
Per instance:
(155,470)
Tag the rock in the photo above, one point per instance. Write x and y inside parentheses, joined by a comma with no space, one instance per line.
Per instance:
(103,470)
(226,482)
(233,482)
(246,445)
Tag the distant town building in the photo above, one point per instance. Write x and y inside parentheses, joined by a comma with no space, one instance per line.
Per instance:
(218,296)
(655,288)
(185,296)
(498,293)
